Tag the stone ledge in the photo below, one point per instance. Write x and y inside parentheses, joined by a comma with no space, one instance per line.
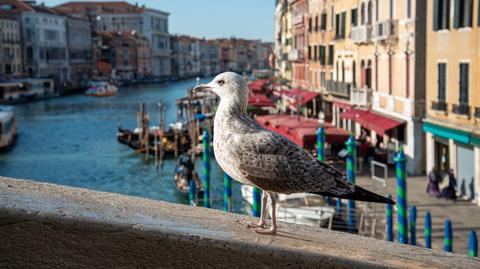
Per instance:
(45,225)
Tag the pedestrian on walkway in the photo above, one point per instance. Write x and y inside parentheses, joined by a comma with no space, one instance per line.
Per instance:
(434,179)
(449,191)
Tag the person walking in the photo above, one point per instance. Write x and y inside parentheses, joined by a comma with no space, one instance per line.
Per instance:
(434,179)
(449,191)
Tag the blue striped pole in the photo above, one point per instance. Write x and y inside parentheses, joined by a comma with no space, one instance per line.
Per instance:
(227,193)
(472,244)
(257,202)
(389,220)
(413,229)
(321,144)
(206,169)
(351,169)
(428,230)
(401,197)
(192,192)
(447,240)
(321,153)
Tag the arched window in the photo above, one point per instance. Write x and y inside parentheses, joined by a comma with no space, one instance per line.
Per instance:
(369,12)
(362,73)
(362,14)
(368,79)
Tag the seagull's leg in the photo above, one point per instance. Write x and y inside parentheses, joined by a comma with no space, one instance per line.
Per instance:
(263,213)
(273,228)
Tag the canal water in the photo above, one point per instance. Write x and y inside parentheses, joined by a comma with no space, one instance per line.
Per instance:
(72,141)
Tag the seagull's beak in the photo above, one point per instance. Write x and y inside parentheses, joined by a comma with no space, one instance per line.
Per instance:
(201,88)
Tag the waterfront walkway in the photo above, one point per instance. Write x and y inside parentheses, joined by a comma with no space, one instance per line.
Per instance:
(464,214)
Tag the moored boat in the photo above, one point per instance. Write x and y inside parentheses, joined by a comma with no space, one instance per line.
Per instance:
(101,89)
(8,128)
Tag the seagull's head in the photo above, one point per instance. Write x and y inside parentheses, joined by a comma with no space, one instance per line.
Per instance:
(228,86)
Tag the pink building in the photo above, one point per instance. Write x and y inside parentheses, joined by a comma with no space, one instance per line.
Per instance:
(298,54)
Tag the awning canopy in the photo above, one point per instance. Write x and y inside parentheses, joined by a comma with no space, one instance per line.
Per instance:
(301,130)
(257,85)
(371,120)
(259,100)
(304,96)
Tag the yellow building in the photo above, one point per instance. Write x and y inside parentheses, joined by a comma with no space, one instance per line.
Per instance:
(452,98)
(283,39)
(10,47)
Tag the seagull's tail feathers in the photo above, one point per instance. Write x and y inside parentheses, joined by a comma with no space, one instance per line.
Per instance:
(361,194)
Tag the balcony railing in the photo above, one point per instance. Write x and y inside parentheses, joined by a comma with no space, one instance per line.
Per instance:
(295,55)
(361,34)
(476,114)
(439,106)
(384,30)
(461,109)
(297,19)
(338,88)
(360,96)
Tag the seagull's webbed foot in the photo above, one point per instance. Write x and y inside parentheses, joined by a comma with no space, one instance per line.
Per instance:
(260,224)
(269,231)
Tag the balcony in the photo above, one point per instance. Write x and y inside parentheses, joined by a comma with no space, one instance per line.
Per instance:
(385,30)
(360,96)
(295,55)
(338,88)
(461,109)
(297,19)
(476,113)
(361,34)
(439,106)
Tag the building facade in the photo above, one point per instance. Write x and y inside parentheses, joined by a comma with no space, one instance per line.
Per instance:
(45,48)
(80,50)
(124,17)
(185,56)
(117,56)
(298,54)
(10,47)
(453,106)
(209,58)
(283,39)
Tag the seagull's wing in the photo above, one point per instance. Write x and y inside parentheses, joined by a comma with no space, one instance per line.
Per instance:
(274,163)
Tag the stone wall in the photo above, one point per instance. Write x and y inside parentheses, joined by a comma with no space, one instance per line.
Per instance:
(44,226)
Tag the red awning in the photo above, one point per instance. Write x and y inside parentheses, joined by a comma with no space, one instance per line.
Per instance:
(342,105)
(302,131)
(305,96)
(259,100)
(371,120)
(257,85)
(353,114)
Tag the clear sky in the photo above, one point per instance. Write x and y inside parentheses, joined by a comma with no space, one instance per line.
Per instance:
(252,19)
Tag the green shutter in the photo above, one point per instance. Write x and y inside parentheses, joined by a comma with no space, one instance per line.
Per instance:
(456,17)
(344,21)
(478,12)
(468,13)
(435,15)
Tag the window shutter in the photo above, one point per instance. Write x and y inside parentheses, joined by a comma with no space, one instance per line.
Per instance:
(478,13)
(344,18)
(446,14)
(456,17)
(463,83)
(441,81)
(468,13)
(435,14)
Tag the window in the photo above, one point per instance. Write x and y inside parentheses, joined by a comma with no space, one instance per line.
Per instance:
(323,21)
(369,13)
(463,14)
(330,54)
(309,52)
(340,22)
(322,55)
(409,9)
(316,23)
(315,53)
(353,17)
(478,13)
(463,100)
(377,7)
(332,18)
(362,14)
(441,81)
(310,24)
(441,14)
(392,6)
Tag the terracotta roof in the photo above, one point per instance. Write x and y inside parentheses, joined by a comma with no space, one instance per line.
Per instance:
(107,7)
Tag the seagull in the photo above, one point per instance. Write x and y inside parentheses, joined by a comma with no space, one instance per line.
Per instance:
(253,155)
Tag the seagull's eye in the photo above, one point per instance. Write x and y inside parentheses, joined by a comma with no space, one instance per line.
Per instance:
(221,82)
